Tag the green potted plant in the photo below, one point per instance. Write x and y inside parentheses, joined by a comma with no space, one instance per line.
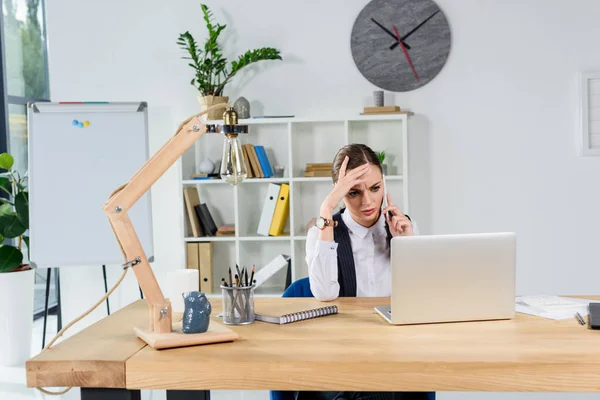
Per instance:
(381,156)
(212,72)
(16,275)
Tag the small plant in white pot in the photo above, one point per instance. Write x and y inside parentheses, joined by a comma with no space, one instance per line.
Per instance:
(212,72)
(381,156)
(16,275)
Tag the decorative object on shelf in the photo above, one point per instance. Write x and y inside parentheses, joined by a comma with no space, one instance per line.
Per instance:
(196,316)
(278,171)
(400,45)
(207,166)
(378,98)
(211,68)
(16,275)
(242,106)
(381,156)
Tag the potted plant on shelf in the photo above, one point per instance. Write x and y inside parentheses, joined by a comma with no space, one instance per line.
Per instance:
(16,275)
(211,69)
(381,156)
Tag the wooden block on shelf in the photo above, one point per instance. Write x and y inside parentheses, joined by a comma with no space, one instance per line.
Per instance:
(310,174)
(381,109)
(388,113)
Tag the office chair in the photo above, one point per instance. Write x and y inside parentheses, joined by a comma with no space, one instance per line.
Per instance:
(301,288)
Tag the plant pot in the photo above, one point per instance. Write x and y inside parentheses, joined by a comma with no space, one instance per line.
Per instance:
(207,101)
(384,168)
(16,314)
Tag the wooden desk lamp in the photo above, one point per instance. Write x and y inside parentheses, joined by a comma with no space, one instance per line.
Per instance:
(233,170)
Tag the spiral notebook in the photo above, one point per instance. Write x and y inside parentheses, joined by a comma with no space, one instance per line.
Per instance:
(288,313)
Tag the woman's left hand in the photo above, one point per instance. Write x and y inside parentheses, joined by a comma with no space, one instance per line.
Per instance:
(398,223)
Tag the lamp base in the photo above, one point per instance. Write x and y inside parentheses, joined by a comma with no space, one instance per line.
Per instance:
(216,333)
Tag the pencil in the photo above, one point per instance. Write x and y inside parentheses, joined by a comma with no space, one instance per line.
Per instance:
(238,271)
(252,276)
(230,281)
(224,283)
(246,276)
(237,280)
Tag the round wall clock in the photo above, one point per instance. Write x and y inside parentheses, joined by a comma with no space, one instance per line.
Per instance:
(400,45)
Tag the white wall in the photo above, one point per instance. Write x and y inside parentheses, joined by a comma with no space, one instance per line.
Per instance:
(499,121)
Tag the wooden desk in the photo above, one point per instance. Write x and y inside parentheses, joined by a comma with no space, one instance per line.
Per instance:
(354,350)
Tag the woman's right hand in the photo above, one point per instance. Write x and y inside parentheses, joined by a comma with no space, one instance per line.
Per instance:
(345,182)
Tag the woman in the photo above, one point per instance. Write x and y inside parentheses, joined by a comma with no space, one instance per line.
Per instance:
(348,254)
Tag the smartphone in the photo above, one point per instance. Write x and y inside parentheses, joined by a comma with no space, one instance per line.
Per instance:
(384,204)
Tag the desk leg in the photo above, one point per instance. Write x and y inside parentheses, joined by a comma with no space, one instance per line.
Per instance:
(109,394)
(188,395)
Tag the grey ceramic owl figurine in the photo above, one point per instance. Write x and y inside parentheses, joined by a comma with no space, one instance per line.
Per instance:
(196,314)
(242,107)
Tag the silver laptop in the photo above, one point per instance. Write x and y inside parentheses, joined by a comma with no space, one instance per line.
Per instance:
(451,278)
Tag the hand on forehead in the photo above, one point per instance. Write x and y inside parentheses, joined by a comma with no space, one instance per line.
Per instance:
(372,177)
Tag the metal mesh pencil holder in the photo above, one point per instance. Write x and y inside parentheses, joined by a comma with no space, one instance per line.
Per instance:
(238,304)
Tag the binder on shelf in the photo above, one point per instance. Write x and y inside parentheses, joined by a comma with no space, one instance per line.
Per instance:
(267,271)
(205,259)
(281,211)
(268,209)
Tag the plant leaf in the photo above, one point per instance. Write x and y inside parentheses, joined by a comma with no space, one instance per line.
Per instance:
(1,238)
(11,226)
(5,185)
(10,258)
(6,161)
(22,208)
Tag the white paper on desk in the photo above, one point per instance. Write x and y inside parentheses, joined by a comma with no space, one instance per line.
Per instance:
(555,312)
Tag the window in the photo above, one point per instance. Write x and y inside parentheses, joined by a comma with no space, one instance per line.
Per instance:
(24,70)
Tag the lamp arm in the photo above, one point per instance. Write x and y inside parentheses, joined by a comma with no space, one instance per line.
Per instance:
(121,200)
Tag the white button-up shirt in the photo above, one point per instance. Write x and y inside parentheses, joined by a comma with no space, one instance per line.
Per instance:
(371,254)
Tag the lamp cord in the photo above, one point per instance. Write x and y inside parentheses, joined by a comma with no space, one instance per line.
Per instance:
(59,334)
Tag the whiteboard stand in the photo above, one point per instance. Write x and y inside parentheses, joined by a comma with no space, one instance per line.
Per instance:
(79,152)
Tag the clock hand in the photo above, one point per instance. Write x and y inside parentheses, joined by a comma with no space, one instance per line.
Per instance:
(388,32)
(413,30)
(406,53)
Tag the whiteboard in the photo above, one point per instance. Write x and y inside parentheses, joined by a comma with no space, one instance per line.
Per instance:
(73,169)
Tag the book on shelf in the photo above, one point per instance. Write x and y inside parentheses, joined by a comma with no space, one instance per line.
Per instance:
(191,198)
(206,219)
(292,311)
(226,230)
(318,169)
(257,161)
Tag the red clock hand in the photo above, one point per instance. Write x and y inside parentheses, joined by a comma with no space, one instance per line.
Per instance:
(406,53)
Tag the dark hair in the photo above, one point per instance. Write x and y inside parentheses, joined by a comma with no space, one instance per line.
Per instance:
(358,154)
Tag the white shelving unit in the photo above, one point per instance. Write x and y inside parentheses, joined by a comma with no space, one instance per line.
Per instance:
(292,143)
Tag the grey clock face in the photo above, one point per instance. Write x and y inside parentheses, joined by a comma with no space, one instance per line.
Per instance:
(413,61)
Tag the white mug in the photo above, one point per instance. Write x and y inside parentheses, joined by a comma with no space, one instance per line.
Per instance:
(181,281)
